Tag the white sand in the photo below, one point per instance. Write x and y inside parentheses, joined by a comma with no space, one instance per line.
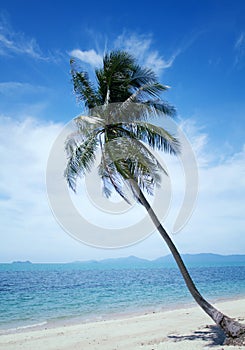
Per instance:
(187,329)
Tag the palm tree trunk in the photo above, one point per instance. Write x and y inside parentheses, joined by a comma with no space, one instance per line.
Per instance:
(232,329)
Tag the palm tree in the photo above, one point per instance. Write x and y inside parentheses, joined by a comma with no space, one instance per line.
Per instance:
(118,124)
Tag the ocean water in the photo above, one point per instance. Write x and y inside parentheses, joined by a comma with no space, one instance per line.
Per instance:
(37,294)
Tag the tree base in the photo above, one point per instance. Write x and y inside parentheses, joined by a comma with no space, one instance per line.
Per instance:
(235,331)
(238,341)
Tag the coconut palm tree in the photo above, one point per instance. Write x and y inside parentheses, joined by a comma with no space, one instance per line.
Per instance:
(118,123)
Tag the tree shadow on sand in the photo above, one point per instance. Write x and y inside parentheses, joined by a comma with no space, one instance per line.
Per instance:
(213,335)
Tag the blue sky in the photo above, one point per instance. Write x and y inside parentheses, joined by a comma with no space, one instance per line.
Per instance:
(196,47)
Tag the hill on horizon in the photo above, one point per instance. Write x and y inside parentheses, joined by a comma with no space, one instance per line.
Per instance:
(167,261)
(202,259)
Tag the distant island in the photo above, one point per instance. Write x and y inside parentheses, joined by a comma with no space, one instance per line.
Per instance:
(203,259)
(191,260)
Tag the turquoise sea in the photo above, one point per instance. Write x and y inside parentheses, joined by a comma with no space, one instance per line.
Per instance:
(41,294)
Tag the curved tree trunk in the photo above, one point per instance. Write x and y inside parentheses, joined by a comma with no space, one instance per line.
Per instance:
(232,328)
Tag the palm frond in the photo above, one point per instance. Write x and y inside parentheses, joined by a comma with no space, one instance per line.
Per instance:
(135,161)
(105,177)
(155,136)
(81,157)
(142,76)
(130,112)
(83,87)
(111,178)
(118,64)
(88,124)
(145,91)
(113,79)
(159,108)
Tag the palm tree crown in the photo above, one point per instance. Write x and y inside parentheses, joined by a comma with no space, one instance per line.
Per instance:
(119,107)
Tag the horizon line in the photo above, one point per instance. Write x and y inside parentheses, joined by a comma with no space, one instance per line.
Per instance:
(115,258)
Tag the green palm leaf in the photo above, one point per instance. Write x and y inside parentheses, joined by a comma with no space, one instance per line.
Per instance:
(142,76)
(83,87)
(87,124)
(156,137)
(159,108)
(134,161)
(114,77)
(80,159)
(111,178)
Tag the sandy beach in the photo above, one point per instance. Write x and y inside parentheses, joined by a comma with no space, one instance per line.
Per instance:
(186,328)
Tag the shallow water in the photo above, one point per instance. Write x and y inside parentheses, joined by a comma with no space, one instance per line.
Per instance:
(38,293)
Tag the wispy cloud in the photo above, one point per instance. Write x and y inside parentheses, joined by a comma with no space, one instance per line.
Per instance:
(21,99)
(141,47)
(13,42)
(239,48)
(91,57)
(154,60)
(137,44)
(240,41)
(14,87)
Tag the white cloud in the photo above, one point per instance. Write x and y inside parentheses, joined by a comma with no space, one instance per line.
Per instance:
(136,44)
(24,211)
(239,48)
(240,41)
(158,63)
(21,99)
(12,42)
(24,151)
(90,57)
(14,87)
(141,47)
(198,138)
(29,231)
(217,224)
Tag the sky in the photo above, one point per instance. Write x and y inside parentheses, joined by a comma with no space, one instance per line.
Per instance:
(195,47)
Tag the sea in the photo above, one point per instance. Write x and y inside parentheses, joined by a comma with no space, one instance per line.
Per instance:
(42,295)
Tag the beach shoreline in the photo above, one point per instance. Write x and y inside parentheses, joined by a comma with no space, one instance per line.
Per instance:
(110,316)
(186,328)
